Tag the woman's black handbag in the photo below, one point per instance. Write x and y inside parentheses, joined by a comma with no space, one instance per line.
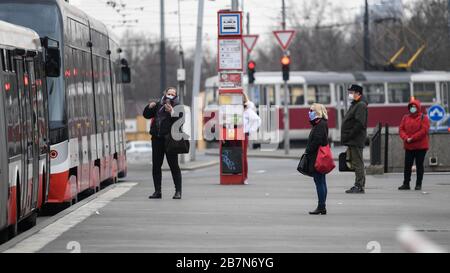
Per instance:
(303,166)
(177,146)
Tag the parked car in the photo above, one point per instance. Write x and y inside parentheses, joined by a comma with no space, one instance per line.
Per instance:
(139,152)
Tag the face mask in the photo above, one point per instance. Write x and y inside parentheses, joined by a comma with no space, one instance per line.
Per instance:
(351,97)
(312,115)
(170,97)
(413,110)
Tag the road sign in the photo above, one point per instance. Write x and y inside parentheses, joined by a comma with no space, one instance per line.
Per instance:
(249,42)
(181,75)
(230,23)
(436,113)
(284,37)
(230,54)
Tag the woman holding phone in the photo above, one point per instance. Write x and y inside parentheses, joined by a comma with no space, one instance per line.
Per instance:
(164,117)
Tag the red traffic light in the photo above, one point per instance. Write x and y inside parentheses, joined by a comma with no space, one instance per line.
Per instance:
(251,65)
(285,60)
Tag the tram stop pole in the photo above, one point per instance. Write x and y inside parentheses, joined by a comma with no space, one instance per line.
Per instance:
(230,66)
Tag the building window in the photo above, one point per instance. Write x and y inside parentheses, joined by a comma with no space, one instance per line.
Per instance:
(399,92)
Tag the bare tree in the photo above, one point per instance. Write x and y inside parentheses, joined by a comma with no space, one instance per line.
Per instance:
(143,55)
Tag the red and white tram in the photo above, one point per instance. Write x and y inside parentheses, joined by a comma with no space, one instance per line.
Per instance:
(24,157)
(387,93)
(86,108)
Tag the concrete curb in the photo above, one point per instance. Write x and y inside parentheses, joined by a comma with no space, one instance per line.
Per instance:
(263,155)
(195,166)
(184,167)
(276,156)
(19,238)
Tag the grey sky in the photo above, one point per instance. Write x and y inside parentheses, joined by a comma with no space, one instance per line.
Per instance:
(265,17)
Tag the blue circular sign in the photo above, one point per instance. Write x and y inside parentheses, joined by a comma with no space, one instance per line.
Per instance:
(436,113)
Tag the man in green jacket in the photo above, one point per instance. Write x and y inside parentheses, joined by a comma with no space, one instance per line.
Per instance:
(353,135)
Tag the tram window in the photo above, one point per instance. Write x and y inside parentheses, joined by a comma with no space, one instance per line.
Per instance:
(2,60)
(76,34)
(78,88)
(31,72)
(297,95)
(319,94)
(270,91)
(7,59)
(12,64)
(73,32)
(399,92)
(79,34)
(375,93)
(425,91)
(14,122)
(68,31)
(109,93)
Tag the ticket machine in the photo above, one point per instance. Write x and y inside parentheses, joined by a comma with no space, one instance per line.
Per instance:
(232,136)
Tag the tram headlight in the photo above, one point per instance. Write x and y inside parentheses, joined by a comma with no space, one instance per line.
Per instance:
(53,154)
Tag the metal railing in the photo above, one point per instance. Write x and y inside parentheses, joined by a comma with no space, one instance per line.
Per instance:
(375,145)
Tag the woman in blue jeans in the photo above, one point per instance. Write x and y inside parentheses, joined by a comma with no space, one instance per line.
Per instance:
(318,136)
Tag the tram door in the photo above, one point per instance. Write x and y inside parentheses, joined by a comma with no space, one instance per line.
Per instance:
(4,185)
(33,129)
(26,135)
(341,107)
(265,98)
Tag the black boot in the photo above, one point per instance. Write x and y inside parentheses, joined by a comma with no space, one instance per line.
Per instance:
(355,189)
(156,195)
(404,187)
(320,210)
(177,195)
(418,187)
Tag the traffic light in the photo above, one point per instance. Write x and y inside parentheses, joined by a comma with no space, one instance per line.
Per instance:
(251,71)
(285,62)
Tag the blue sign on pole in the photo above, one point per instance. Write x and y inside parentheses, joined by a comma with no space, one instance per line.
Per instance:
(436,113)
(230,24)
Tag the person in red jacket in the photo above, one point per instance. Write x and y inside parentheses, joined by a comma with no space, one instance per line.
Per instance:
(414,130)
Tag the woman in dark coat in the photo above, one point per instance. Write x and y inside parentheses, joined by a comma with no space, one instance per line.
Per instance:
(318,137)
(164,116)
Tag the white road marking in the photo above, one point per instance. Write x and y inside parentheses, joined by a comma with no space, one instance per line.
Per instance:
(50,233)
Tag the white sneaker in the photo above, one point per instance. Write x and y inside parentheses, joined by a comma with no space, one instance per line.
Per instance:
(246,182)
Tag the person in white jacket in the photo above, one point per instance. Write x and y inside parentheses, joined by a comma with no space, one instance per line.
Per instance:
(252,122)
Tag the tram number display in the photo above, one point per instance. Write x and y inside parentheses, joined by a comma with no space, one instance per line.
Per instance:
(231,160)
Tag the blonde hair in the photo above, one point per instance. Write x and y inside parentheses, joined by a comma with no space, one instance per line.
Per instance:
(321,110)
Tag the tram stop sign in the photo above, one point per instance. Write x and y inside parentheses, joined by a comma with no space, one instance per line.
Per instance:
(436,113)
